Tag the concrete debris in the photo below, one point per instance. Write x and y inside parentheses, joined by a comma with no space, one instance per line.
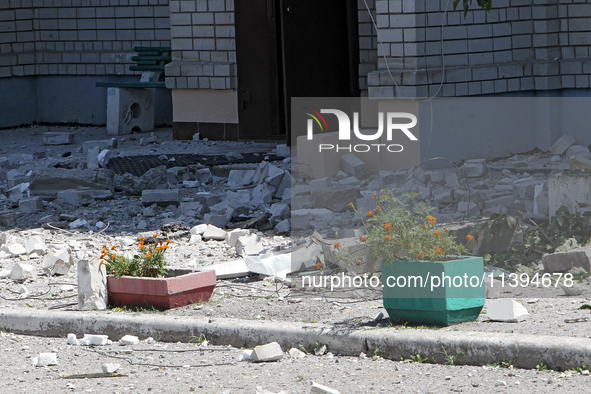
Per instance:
(92,161)
(110,368)
(58,263)
(104,157)
(22,271)
(246,355)
(78,223)
(567,260)
(506,310)
(22,289)
(249,245)
(30,205)
(352,165)
(579,162)
(232,156)
(271,264)
(295,353)
(78,197)
(161,197)
(72,340)
(229,269)
(283,150)
(573,290)
(266,353)
(92,285)
(45,359)
(232,236)
(129,340)
(94,340)
(320,389)
(199,229)
(13,249)
(475,168)
(562,144)
(214,233)
(63,138)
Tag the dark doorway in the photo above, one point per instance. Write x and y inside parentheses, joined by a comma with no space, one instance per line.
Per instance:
(291,48)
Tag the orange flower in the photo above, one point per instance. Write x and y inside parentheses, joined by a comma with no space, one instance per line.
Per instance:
(423,227)
(113,247)
(446,230)
(155,235)
(168,240)
(410,246)
(318,265)
(141,238)
(432,246)
(159,249)
(469,237)
(141,242)
(432,222)
(387,238)
(337,245)
(378,208)
(363,239)
(439,251)
(148,255)
(113,255)
(102,262)
(437,232)
(429,217)
(375,194)
(420,255)
(164,246)
(350,204)
(388,226)
(371,214)
(104,246)
(103,256)
(142,246)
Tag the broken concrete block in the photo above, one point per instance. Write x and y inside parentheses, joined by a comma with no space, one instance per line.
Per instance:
(215,233)
(204,175)
(336,199)
(45,359)
(72,340)
(283,150)
(22,271)
(350,182)
(578,150)
(35,244)
(14,249)
(104,157)
(216,219)
(503,201)
(579,162)
(92,162)
(75,196)
(572,291)
(101,144)
(30,205)
(524,189)
(191,209)
(249,245)
(320,185)
(541,201)
(198,229)
(320,389)
(284,185)
(129,340)
(240,178)
(283,226)
(232,236)
(269,352)
(468,208)
(295,353)
(475,168)
(92,285)
(8,219)
(78,223)
(152,179)
(57,138)
(161,197)
(567,260)
(562,144)
(278,212)
(506,310)
(58,263)
(246,355)
(110,368)
(443,196)
(451,180)
(570,190)
(274,176)
(352,165)
(94,340)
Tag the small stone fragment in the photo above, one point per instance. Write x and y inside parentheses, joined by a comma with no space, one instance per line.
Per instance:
(320,389)
(110,368)
(506,310)
(269,352)
(129,340)
(45,359)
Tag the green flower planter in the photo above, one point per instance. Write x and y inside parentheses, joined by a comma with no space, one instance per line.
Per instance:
(413,291)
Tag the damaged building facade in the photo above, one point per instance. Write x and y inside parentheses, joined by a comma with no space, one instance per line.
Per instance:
(236,65)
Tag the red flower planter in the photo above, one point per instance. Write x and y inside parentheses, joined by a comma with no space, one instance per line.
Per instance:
(178,289)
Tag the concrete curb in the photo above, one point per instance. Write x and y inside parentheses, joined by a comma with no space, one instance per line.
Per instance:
(472,348)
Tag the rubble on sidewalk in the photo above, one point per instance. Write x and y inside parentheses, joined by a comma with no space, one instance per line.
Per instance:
(266,353)
(506,310)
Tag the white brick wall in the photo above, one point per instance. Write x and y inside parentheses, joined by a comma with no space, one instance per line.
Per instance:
(520,45)
(78,37)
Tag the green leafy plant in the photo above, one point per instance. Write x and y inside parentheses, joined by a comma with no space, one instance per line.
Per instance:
(486,4)
(403,230)
(418,358)
(580,369)
(542,367)
(300,378)
(200,340)
(502,363)
(565,231)
(147,262)
(450,359)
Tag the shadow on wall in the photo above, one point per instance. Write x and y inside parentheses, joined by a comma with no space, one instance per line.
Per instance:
(66,99)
